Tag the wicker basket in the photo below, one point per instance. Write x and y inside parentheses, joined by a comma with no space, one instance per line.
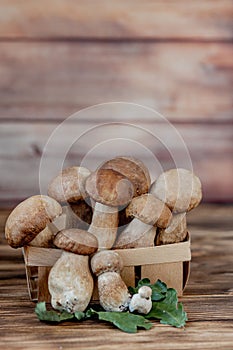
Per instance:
(170,263)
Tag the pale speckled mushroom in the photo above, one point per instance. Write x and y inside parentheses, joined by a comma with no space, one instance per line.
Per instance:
(141,301)
(29,218)
(109,189)
(175,232)
(113,292)
(149,213)
(133,169)
(179,188)
(70,281)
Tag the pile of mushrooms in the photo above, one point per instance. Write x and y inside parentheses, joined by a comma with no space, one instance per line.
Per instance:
(114,207)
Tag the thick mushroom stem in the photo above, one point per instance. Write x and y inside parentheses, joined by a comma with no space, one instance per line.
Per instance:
(104,225)
(70,283)
(109,189)
(136,235)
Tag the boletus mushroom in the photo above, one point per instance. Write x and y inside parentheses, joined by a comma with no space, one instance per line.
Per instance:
(68,187)
(70,281)
(175,232)
(179,188)
(109,189)
(29,218)
(149,213)
(113,292)
(141,301)
(133,169)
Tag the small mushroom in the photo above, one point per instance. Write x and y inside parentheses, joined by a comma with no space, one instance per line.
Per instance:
(29,218)
(148,212)
(179,188)
(175,232)
(70,281)
(141,301)
(109,189)
(113,292)
(133,169)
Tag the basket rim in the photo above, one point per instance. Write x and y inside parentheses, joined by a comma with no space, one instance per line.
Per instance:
(35,256)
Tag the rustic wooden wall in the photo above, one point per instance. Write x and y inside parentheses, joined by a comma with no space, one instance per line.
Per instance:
(59,56)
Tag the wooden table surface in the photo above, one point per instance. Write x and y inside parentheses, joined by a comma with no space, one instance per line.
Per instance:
(208,299)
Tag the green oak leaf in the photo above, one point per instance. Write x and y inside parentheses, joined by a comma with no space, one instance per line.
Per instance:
(51,316)
(168,310)
(125,321)
(159,289)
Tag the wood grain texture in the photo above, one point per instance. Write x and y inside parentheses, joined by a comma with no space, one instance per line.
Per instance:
(22,146)
(208,300)
(35,256)
(173,273)
(49,80)
(208,19)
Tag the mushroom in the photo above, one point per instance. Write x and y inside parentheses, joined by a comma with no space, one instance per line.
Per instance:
(113,292)
(179,188)
(69,187)
(70,281)
(133,169)
(29,218)
(45,238)
(141,301)
(175,232)
(148,212)
(109,189)
(138,174)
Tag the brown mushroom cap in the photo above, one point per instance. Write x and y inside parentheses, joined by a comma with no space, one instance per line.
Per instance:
(76,241)
(109,187)
(179,188)
(29,218)
(106,261)
(69,185)
(150,210)
(134,170)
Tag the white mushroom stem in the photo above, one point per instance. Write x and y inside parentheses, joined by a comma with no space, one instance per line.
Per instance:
(70,283)
(136,235)
(104,225)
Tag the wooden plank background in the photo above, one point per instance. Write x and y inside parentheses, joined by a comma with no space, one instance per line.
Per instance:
(60,56)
